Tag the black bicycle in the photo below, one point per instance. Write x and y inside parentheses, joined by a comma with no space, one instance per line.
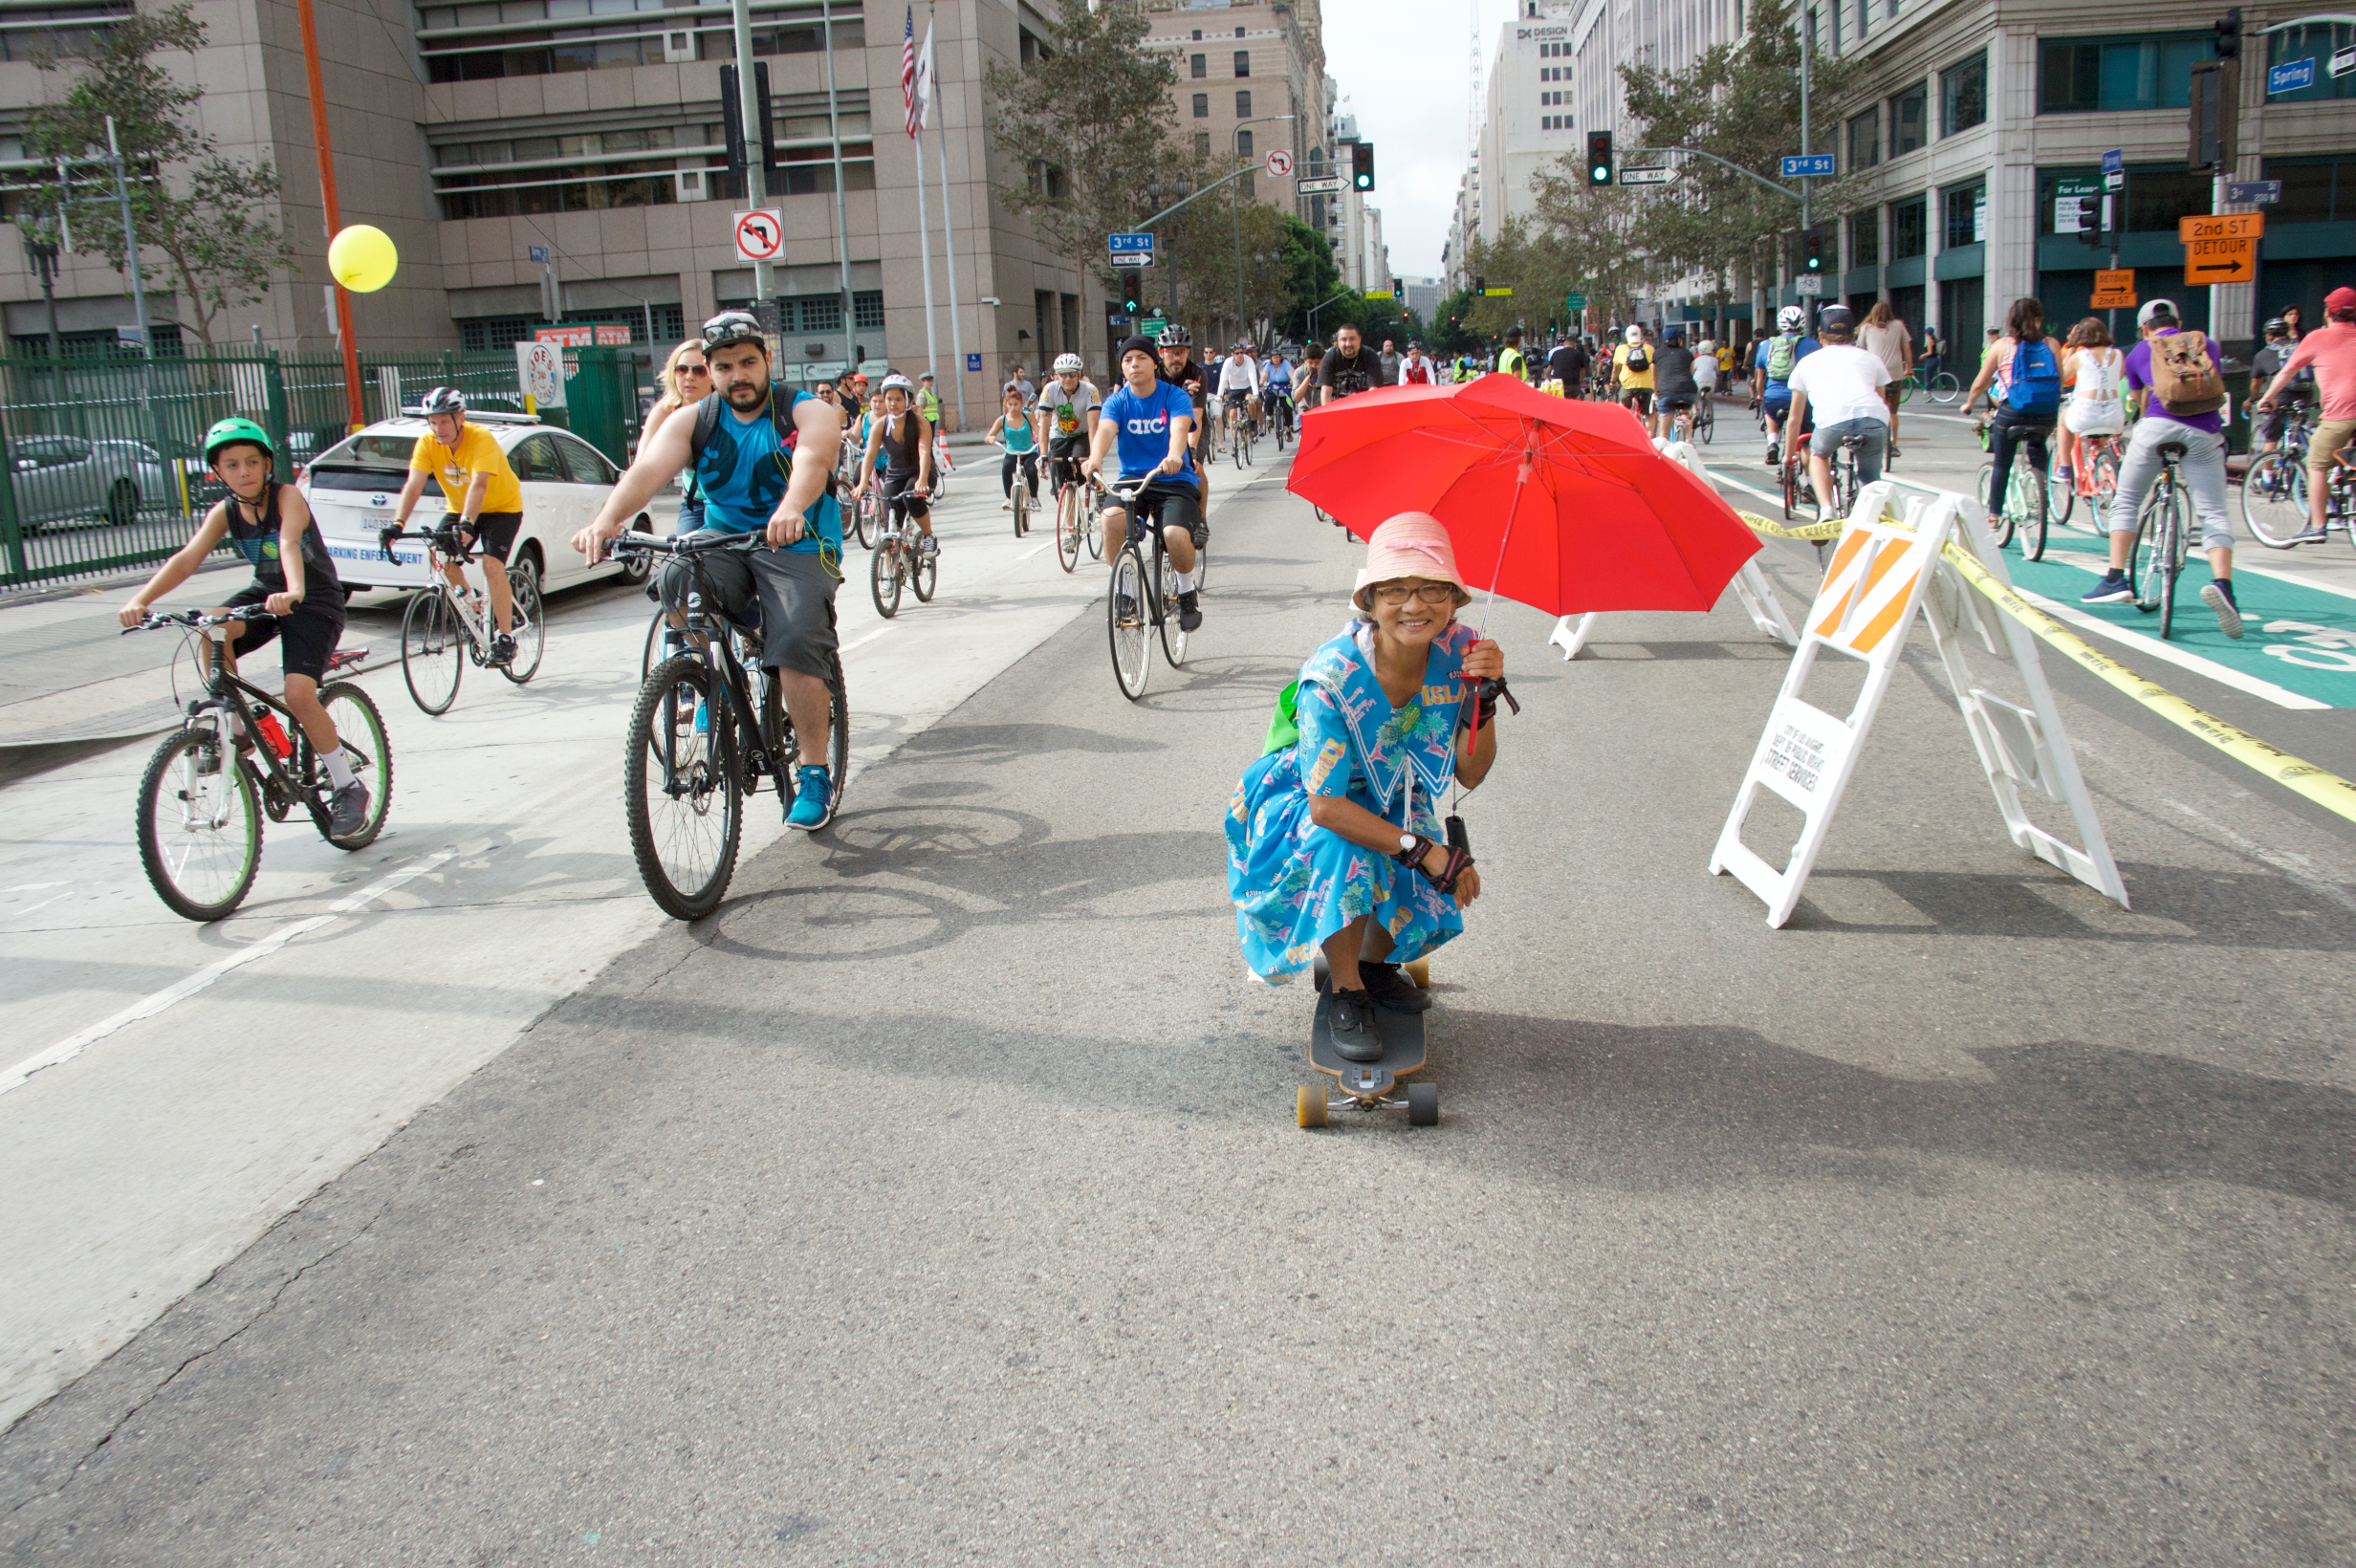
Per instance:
(1142,602)
(1280,416)
(709,725)
(239,754)
(446,628)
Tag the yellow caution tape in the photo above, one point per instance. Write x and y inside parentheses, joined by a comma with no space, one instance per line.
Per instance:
(1777,531)
(2321,785)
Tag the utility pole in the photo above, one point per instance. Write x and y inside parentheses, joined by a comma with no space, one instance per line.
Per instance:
(1235,141)
(756,150)
(842,223)
(355,409)
(1807,67)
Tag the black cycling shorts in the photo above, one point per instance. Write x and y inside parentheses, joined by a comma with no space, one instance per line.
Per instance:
(305,638)
(796,591)
(494,533)
(1639,398)
(1169,502)
(899,485)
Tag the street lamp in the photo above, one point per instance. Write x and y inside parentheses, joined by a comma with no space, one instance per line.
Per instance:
(1234,140)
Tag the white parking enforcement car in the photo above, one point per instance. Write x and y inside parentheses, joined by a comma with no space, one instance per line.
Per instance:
(354,488)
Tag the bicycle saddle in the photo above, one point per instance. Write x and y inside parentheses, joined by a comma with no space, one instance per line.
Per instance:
(2172,448)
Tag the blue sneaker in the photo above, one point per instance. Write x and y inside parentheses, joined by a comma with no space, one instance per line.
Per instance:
(813,801)
(2113,589)
(2218,596)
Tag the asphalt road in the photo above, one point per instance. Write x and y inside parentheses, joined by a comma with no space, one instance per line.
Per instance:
(939,1200)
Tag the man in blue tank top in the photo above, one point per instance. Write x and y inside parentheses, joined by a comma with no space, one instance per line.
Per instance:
(765,460)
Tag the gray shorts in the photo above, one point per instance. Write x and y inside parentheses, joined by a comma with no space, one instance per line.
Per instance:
(794,591)
(1873,436)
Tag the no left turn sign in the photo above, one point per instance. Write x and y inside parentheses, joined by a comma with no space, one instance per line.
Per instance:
(760,234)
(1279,162)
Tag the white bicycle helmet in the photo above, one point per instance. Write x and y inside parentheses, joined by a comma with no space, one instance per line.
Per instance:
(897,380)
(1071,364)
(443,400)
(1790,319)
(1175,336)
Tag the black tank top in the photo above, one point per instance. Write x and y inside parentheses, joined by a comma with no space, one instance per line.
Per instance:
(258,542)
(900,456)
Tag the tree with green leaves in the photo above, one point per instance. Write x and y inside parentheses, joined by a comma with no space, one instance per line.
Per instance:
(215,220)
(1085,126)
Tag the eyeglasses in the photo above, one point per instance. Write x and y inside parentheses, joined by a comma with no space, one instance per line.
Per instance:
(1430,593)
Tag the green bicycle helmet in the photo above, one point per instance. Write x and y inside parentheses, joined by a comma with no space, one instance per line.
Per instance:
(229,431)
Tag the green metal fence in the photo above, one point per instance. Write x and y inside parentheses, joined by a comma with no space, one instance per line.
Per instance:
(103,467)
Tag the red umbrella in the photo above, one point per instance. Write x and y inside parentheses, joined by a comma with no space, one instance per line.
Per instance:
(1561,505)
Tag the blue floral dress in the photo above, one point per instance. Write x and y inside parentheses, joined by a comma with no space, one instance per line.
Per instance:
(1296,884)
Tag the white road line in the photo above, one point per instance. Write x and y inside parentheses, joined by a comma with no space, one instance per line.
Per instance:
(147,1006)
(2241,564)
(863,642)
(2222,674)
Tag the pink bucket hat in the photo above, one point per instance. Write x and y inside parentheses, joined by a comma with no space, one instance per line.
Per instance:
(1412,544)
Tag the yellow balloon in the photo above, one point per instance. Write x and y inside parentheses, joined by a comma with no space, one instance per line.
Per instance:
(362,258)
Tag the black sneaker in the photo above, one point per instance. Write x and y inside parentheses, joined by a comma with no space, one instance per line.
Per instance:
(1392,989)
(2218,596)
(2113,589)
(502,651)
(1189,613)
(1353,1027)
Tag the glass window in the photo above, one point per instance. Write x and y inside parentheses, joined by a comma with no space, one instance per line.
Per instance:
(1865,18)
(1243,146)
(1201,105)
(1910,229)
(1910,119)
(2307,189)
(535,459)
(1963,95)
(1966,215)
(2078,75)
(1243,106)
(2156,198)
(1865,238)
(2317,42)
(1200,66)
(867,310)
(1243,63)
(1865,139)
(1202,139)
(584,462)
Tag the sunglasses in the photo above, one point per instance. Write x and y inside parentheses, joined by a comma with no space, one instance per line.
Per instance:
(695,370)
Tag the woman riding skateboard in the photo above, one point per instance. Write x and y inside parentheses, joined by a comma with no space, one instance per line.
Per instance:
(1334,836)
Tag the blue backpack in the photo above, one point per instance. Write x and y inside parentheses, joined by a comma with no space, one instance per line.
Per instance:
(2035,385)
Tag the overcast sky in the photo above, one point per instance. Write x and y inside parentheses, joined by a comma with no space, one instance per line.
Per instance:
(1401,66)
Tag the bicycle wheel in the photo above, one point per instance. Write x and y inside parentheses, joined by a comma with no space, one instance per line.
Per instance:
(1092,524)
(200,833)
(361,729)
(2001,521)
(924,574)
(433,656)
(2025,499)
(1945,388)
(2179,506)
(2061,494)
(1124,619)
(883,576)
(1707,421)
(1908,387)
(1165,595)
(1068,530)
(1791,486)
(2274,500)
(863,517)
(1021,499)
(523,580)
(681,789)
(653,650)
(2103,484)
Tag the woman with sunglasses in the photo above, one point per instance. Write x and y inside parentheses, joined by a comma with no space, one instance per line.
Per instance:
(685,378)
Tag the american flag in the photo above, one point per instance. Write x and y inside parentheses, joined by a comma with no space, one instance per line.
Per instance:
(908,71)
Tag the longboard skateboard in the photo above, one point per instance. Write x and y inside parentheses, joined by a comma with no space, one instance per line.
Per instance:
(1369,1083)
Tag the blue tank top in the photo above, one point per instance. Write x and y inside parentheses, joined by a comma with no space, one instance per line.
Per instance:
(742,473)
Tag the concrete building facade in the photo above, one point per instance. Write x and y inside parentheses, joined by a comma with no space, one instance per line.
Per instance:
(1529,118)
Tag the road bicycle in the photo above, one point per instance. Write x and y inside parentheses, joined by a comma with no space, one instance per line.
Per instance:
(1141,600)
(2275,490)
(2160,546)
(899,561)
(239,754)
(865,514)
(2095,479)
(1799,490)
(1237,418)
(446,627)
(709,725)
(1941,388)
(1080,504)
(1706,417)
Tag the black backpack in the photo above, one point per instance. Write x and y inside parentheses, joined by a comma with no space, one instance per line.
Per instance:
(1638,358)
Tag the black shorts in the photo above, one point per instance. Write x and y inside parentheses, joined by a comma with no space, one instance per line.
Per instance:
(796,592)
(494,533)
(1071,448)
(1638,397)
(1169,502)
(305,638)
(897,485)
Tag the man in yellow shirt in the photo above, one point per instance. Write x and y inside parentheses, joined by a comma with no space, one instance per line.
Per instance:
(1631,366)
(482,497)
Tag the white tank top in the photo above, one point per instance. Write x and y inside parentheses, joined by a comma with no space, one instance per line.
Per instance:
(2097,387)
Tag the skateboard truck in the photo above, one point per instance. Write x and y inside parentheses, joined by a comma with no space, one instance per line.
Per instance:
(1369,1085)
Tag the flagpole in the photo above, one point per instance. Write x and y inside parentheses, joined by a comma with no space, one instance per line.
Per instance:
(949,230)
(923,241)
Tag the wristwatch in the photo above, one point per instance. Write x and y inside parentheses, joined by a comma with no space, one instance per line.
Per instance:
(1407,841)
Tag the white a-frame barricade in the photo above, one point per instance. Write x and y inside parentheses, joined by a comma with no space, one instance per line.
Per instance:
(1887,566)
(1750,583)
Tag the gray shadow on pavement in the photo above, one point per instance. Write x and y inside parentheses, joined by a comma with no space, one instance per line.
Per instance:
(991,744)
(2214,907)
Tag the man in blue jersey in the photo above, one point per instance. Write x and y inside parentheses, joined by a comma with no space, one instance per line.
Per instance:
(1149,420)
(765,458)
(1770,373)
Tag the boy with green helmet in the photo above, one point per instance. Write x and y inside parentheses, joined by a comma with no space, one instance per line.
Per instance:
(295,582)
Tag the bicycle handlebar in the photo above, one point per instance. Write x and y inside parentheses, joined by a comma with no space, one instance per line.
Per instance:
(634,543)
(444,539)
(157,620)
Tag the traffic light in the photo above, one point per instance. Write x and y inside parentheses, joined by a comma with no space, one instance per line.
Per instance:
(1399,290)
(1481,285)
(2229,34)
(1812,252)
(1599,158)
(2090,221)
(1361,165)
(1132,293)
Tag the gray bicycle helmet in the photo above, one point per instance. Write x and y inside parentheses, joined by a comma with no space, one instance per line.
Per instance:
(443,400)
(1175,336)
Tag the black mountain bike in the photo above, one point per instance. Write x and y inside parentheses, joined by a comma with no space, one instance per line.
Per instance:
(1142,602)
(710,724)
(239,754)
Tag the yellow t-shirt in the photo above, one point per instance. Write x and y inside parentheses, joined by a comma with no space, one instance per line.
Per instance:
(476,452)
(1637,380)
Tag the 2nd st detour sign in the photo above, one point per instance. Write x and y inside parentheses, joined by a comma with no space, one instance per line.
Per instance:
(2220,248)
